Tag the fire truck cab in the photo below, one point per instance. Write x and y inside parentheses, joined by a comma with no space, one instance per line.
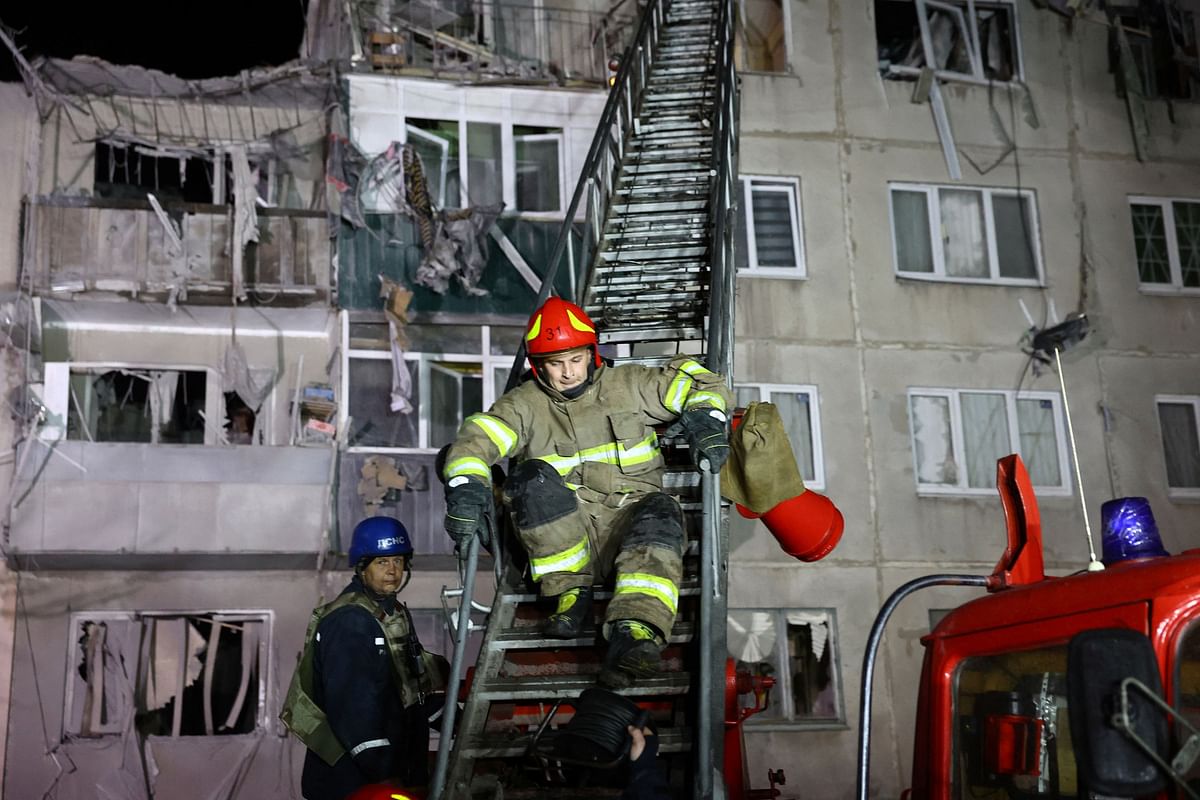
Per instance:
(1027,692)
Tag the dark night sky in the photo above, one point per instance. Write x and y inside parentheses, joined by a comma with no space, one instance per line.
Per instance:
(190,39)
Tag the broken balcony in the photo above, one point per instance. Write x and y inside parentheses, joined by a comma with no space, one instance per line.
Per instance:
(177,251)
(488,40)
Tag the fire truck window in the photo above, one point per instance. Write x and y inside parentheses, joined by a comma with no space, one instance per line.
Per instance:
(1187,683)
(1012,736)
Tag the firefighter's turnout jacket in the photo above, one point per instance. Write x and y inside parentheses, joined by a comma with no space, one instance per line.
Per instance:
(603,446)
(358,697)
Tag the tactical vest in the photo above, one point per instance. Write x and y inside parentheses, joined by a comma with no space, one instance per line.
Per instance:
(415,670)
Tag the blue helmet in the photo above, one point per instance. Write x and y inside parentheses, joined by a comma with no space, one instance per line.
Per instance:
(379,536)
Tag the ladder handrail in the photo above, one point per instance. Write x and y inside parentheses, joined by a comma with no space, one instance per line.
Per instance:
(617,117)
(719,346)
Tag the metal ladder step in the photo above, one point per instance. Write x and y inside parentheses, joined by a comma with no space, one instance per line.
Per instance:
(492,745)
(552,687)
(530,638)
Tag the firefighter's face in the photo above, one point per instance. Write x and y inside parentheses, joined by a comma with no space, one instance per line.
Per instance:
(567,370)
(384,574)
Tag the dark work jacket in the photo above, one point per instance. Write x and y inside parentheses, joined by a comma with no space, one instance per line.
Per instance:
(354,683)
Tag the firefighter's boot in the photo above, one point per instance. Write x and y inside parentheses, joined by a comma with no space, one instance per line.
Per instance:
(574,609)
(633,652)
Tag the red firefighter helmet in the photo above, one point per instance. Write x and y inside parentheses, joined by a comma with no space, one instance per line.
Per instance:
(559,326)
(382,791)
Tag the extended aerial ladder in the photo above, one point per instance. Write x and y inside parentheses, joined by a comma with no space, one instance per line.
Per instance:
(652,264)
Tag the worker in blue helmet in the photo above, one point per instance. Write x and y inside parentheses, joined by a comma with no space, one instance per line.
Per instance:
(361,695)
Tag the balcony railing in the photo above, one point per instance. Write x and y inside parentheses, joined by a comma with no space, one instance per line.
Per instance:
(74,245)
(488,40)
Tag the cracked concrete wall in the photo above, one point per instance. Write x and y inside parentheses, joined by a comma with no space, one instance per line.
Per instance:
(864,336)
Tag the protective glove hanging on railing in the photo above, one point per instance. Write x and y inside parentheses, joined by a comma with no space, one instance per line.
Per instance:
(470,507)
(707,436)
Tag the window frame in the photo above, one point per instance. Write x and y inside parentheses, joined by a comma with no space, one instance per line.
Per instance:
(263,696)
(783,684)
(963,11)
(57,398)
(1064,489)
(1167,204)
(932,192)
(1177,492)
(425,359)
(559,140)
(790,186)
(765,390)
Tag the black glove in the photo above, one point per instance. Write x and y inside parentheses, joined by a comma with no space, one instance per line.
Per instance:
(707,437)
(468,505)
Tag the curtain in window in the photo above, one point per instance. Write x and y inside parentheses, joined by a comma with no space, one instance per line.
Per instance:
(1039,445)
(1150,241)
(162,400)
(774,239)
(932,440)
(964,237)
(1181,444)
(797,420)
(910,215)
(985,436)
(752,636)
(484,182)
(1187,233)
(537,173)
(1014,236)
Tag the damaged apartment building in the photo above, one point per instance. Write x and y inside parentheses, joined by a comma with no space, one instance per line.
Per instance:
(244,312)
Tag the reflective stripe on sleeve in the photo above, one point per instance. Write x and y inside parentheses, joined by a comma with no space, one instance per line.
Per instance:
(504,437)
(659,588)
(705,399)
(469,465)
(573,559)
(370,744)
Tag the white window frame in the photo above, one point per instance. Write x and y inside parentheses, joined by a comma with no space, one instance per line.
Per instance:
(786,8)
(933,209)
(1062,489)
(1178,492)
(780,185)
(444,170)
(486,360)
(968,25)
(1167,204)
(261,695)
(814,409)
(783,678)
(57,375)
(559,142)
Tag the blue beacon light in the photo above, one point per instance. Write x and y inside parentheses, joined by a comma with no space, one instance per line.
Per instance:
(1129,531)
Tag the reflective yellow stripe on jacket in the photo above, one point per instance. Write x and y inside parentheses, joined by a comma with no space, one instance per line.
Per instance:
(679,395)
(469,465)
(612,453)
(658,588)
(573,559)
(504,437)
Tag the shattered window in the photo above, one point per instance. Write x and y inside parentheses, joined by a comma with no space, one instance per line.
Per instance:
(760,43)
(1166,236)
(127,171)
(1162,48)
(1179,421)
(973,234)
(958,435)
(798,648)
(455,393)
(373,422)
(138,405)
(799,410)
(954,41)
(436,142)
(770,238)
(538,167)
(197,674)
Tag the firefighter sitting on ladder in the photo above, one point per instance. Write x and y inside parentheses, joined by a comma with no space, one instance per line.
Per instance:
(586,490)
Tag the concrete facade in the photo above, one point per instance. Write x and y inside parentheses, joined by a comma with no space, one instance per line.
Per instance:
(865,336)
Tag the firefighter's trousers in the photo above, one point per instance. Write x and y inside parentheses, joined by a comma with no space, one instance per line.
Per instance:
(581,537)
